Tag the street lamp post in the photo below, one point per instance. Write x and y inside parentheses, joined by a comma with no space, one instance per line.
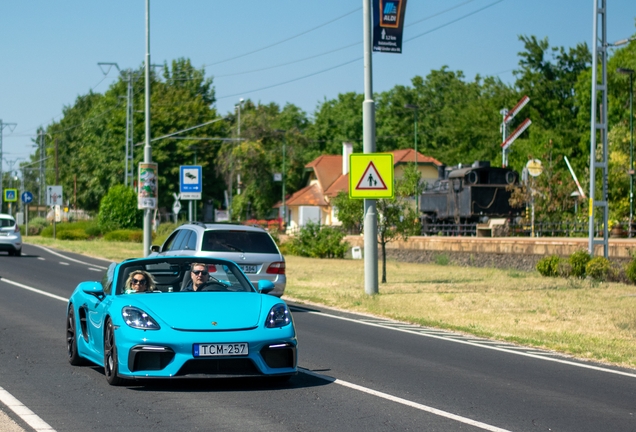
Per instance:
(283,206)
(148,213)
(415,109)
(630,72)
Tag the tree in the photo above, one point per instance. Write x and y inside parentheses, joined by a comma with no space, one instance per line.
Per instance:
(118,210)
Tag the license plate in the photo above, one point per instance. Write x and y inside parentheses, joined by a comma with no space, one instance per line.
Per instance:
(4,234)
(249,268)
(220,349)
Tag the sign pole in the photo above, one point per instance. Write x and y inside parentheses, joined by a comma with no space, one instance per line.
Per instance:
(368,140)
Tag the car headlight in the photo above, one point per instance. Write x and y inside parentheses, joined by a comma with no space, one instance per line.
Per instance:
(278,316)
(136,318)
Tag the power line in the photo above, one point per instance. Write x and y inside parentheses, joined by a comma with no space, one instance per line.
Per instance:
(289,81)
(453,21)
(358,58)
(284,40)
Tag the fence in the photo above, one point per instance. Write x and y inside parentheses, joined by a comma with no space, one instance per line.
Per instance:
(541,229)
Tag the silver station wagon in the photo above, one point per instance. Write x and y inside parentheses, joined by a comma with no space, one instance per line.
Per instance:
(252,248)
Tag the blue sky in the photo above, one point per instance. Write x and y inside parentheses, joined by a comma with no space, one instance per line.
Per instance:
(50,50)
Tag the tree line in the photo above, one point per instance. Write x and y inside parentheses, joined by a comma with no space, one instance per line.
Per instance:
(458,122)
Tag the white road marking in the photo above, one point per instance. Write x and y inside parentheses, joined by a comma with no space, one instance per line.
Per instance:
(94,269)
(64,263)
(24,413)
(42,259)
(69,258)
(406,402)
(35,290)
(509,349)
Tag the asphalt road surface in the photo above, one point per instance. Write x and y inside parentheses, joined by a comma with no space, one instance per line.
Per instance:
(357,373)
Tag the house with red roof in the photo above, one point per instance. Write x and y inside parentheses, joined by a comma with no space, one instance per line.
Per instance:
(329,175)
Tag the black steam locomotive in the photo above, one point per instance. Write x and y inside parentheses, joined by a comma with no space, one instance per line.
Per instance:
(468,195)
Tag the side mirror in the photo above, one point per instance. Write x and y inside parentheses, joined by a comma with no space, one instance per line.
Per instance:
(155,248)
(265,286)
(93,288)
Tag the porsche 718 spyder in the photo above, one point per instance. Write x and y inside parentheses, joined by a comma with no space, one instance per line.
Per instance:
(229,328)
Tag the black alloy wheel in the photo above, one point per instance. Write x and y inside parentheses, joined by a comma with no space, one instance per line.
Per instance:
(71,339)
(111,365)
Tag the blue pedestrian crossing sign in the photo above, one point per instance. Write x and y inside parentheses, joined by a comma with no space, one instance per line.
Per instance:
(27,197)
(10,195)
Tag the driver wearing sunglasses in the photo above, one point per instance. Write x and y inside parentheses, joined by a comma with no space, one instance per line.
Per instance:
(199,277)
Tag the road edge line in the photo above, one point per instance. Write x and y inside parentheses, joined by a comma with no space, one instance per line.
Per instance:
(21,410)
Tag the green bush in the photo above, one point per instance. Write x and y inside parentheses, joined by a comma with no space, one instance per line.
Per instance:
(442,259)
(118,210)
(318,242)
(598,268)
(133,236)
(36,225)
(549,266)
(630,270)
(578,261)
(74,234)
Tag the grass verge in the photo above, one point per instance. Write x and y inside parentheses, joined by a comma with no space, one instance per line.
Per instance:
(586,319)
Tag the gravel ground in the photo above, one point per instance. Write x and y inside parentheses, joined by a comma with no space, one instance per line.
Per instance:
(470,259)
(466,259)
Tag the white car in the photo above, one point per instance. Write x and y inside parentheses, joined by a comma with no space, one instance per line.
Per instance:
(252,248)
(10,237)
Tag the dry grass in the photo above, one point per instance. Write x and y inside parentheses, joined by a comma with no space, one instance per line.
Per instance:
(579,317)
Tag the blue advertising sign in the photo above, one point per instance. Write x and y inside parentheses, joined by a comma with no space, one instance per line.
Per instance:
(190,182)
(388,22)
(27,197)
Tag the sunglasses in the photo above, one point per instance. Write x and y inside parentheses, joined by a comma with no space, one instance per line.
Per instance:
(139,281)
(200,272)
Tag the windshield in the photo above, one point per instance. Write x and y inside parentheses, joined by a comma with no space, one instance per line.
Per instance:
(238,241)
(172,275)
(6,222)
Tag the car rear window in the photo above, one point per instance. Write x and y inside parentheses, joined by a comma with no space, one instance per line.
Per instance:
(238,241)
(6,222)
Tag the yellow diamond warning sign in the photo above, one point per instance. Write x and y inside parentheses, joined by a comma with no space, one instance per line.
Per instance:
(371,175)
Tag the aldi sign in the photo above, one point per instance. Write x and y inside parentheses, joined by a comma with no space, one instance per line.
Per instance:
(388,22)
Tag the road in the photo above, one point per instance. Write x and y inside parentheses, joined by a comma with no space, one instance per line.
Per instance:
(357,373)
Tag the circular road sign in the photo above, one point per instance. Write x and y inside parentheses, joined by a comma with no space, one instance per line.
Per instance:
(27,197)
(534,167)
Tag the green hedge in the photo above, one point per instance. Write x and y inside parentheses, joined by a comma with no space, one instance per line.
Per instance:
(133,236)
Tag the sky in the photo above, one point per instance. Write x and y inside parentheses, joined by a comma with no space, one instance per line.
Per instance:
(285,51)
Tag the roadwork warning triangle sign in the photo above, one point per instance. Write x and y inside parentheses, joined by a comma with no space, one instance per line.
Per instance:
(371,179)
(371,175)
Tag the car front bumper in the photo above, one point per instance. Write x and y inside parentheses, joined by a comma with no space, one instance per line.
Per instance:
(169,353)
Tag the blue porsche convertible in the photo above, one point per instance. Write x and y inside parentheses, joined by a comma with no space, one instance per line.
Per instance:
(226,327)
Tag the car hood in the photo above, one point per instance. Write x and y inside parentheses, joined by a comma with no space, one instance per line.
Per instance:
(203,311)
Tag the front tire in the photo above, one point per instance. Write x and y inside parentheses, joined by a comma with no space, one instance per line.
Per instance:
(18,253)
(71,339)
(111,364)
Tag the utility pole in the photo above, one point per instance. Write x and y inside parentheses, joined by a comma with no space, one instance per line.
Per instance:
(147,148)
(41,185)
(2,126)
(129,76)
(368,143)
(598,120)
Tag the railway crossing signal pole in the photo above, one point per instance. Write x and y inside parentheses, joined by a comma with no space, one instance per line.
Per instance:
(368,142)
(599,125)
(506,140)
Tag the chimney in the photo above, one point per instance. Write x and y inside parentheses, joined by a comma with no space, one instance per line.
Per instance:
(347,149)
